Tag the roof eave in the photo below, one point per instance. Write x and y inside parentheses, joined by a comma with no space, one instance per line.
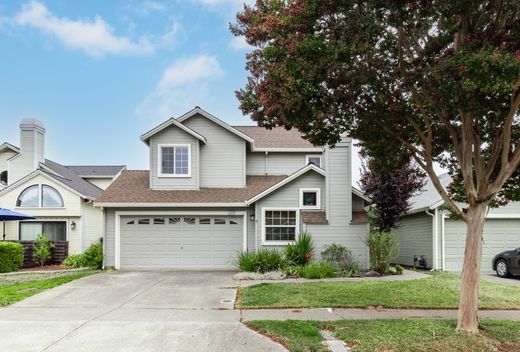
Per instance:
(171,121)
(167,205)
(285,181)
(198,110)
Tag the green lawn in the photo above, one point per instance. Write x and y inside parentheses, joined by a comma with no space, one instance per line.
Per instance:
(419,335)
(14,288)
(439,291)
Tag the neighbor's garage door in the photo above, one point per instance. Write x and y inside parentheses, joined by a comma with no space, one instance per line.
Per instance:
(499,235)
(180,242)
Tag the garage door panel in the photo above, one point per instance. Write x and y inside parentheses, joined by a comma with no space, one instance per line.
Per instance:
(499,235)
(197,242)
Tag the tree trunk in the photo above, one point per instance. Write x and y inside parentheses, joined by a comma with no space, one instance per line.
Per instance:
(468,307)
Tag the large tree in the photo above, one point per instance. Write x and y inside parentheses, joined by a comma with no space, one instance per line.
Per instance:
(432,80)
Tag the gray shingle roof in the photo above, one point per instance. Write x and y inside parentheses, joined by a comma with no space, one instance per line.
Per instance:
(277,137)
(72,180)
(428,196)
(96,170)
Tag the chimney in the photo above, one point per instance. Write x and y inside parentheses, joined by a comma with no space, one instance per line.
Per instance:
(339,182)
(32,142)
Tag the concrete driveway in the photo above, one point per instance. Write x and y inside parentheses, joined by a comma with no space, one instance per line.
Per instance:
(133,311)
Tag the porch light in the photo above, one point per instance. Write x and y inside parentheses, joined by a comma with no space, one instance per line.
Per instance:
(73,226)
(252,217)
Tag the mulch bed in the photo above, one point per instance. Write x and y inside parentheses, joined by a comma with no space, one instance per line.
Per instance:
(46,268)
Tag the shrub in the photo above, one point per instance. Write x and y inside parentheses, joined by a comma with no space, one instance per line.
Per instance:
(338,255)
(93,256)
(300,252)
(75,261)
(11,256)
(42,249)
(246,261)
(262,261)
(383,248)
(319,270)
(399,269)
(293,270)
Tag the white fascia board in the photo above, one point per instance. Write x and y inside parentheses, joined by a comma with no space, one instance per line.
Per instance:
(216,120)
(168,205)
(172,121)
(6,145)
(287,150)
(360,194)
(49,170)
(286,181)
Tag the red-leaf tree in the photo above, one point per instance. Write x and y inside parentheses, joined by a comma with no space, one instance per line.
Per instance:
(432,80)
(390,191)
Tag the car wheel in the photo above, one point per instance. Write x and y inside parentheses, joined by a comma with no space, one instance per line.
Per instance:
(502,268)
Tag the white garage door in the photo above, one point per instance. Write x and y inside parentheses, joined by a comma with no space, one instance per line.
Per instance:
(499,235)
(180,242)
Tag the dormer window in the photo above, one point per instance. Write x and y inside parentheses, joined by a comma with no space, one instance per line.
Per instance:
(314,159)
(174,160)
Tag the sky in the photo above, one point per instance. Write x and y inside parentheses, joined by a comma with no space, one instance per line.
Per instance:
(100,73)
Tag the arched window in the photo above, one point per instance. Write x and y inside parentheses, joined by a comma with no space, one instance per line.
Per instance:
(29,197)
(36,196)
(51,197)
(3,178)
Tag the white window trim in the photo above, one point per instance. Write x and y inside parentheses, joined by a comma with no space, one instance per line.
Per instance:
(308,156)
(159,166)
(280,243)
(40,198)
(318,198)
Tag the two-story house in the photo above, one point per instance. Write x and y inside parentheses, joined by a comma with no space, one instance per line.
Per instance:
(213,190)
(59,197)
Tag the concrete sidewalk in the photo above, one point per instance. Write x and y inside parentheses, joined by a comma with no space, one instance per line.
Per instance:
(329,314)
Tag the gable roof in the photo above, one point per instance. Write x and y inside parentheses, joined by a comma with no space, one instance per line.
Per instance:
(197,110)
(360,194)
(171,121)
(277,138)
(9,146)
(93,171)
(428,197)
(132,188)
(285,181)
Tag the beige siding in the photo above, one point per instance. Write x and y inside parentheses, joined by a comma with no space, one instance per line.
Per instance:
(173,135)
(102,183)
(31,153)
(93,224)
(6,154)
(415,238)
(71,201)
(222,158)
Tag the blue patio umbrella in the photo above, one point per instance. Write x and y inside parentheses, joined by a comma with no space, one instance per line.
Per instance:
(9,215)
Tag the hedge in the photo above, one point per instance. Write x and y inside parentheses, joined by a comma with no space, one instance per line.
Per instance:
(11,256)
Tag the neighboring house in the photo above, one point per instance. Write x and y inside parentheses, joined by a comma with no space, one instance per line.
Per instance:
(429,231)
(59,197)
(213,190)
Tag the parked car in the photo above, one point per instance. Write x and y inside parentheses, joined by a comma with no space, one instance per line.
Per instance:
(507,263)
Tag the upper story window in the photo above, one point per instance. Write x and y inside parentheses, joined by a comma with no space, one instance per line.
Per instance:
(175,160)
(3,178)
(314,159)
(40,196)
(310,198)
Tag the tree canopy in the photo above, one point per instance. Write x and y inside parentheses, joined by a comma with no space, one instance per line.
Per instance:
(408,78)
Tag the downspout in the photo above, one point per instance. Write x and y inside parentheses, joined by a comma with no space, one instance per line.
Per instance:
(443,258)
(435,236)
(265,164)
